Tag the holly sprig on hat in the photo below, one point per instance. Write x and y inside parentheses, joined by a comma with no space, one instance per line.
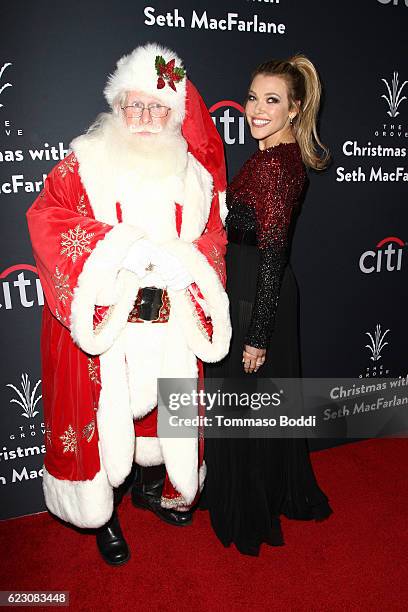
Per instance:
(168,73)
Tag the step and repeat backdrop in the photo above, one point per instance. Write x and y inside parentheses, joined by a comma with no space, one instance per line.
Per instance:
(349,250)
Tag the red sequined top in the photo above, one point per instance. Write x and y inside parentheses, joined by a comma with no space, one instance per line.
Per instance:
(261,198)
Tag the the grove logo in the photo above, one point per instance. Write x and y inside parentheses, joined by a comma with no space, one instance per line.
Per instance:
(231,122)
(386,256)
(15,291)
(3,87)
(27,398)
(375,347)
(393,96)
(376,342)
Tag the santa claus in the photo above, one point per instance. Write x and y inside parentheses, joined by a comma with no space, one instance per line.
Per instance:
(129,243)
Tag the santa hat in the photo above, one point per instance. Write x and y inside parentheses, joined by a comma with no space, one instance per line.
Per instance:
(159,72)
(155,70)
(204,141)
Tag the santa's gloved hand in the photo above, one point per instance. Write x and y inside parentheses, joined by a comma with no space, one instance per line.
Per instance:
(172,269)
(139,258)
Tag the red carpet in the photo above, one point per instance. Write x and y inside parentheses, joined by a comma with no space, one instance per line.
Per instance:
(356,560)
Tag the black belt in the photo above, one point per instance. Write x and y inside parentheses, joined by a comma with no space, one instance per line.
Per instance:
(151,304)
(240,236)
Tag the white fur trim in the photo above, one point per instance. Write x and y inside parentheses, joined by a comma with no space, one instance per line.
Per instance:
(223,206)
(137,71)
(105,261)
(197,200)
(96,342)
(181,460)
(148,451)
(114,417)
(144,344)
(84,503)
(217,301)
(97,172)
(202,473)
(100,269)
(180,454)
(149,203)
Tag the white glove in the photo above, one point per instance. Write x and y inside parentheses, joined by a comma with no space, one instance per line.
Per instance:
(139,257)
(172,269)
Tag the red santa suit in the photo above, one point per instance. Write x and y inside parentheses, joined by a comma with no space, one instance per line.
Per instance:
(100,369)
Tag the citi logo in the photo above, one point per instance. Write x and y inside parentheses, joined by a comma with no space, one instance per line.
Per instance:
(230,122)
(18,290)
(394,2)
(6,85)
(387,256)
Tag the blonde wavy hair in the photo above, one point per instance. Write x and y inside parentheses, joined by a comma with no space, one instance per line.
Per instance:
(303,85)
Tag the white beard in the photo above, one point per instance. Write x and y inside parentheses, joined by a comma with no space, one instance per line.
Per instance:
(147,173)
(147,176)
(158,155)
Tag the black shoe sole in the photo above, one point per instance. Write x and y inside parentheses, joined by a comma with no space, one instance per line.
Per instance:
(115,563)
(142,505)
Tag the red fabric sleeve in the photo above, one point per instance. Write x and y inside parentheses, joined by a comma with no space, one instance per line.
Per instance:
(213,241)
(212,244)
(63,234)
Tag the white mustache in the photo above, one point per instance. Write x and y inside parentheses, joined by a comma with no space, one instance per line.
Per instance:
(135,129)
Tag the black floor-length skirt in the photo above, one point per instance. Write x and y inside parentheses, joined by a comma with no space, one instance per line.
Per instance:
(251,482)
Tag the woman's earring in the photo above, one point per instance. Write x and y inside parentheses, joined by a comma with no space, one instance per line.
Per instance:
(291,120)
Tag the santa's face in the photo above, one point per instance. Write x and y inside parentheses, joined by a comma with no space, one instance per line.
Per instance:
(145,115)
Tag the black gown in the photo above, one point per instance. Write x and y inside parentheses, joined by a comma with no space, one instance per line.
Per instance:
(251,482)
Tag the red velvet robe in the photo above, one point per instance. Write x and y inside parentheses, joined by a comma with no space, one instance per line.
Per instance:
(64,233)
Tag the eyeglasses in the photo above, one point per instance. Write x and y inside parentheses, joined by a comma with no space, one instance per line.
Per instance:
(135,111)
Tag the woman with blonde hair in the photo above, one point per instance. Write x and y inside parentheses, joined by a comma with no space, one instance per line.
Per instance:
(251,482)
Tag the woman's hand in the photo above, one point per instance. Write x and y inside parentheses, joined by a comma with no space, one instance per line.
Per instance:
(253,358)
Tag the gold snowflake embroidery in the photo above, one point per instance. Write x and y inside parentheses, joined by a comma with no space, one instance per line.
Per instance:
(61,285)
(67,165)
(75,243)
(105,316)
(60,318)
(48,434)
(218,262)
(69,440)
(81,207)
(197,319)
(178,503)
(88,431)
(93,371)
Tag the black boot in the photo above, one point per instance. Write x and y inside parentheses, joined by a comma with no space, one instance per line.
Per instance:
(146,494)
(111,543)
